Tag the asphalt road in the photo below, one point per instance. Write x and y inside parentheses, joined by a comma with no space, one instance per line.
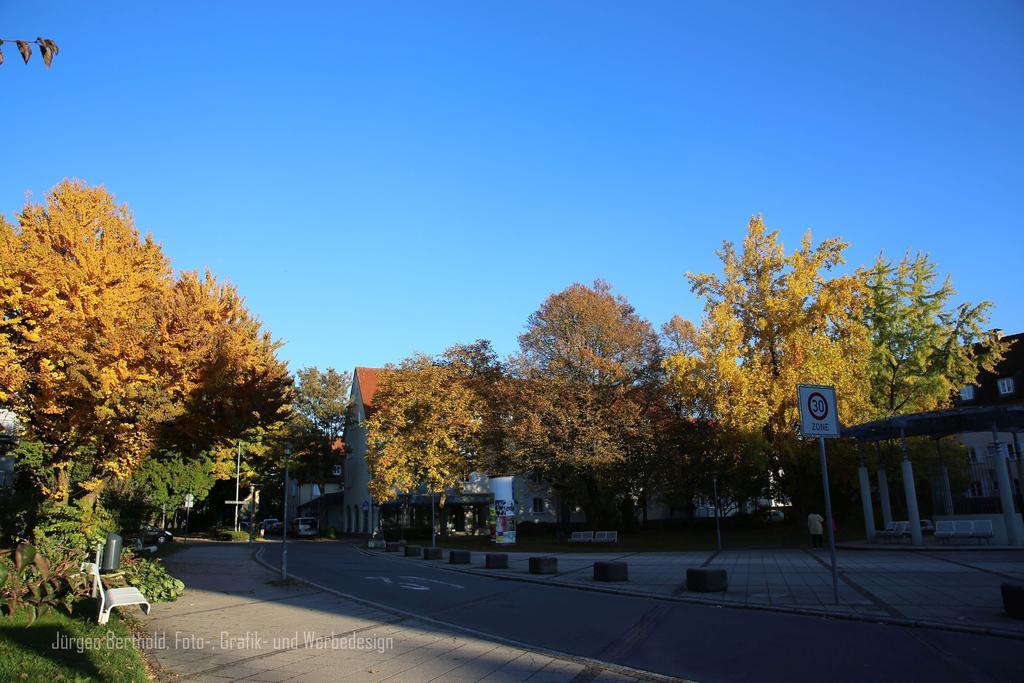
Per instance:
(699,642)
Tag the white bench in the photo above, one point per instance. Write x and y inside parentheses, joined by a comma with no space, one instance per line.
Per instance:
(110,598)
(894,531)
(606,537)
(964,529)
(582,537)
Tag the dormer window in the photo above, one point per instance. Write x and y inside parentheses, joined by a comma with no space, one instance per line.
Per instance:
(967,393)
(1005,386)
(337,470)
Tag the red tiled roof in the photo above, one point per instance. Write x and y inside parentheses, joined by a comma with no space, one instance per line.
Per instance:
(367,378)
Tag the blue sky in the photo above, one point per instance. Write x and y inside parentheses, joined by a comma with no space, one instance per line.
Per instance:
(382,178)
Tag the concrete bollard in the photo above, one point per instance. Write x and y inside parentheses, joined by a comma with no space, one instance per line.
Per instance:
(390,547)
(413,551)
(496,561)
(432,553)
(706,580)
(611,571)
(543,565)
(458,557)
(1013,599)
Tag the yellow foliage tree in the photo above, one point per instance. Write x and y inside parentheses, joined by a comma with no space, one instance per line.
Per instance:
(76,290)
(772,320)
(104,353)
(424,428)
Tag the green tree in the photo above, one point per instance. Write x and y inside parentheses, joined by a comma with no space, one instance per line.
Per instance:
(923,348)
(319,406)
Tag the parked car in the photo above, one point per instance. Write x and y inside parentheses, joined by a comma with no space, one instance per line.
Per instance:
(304,526)
(273,528)
(151,534)
(265,525)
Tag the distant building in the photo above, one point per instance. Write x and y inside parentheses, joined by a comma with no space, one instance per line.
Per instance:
(1003,385)
(323,500)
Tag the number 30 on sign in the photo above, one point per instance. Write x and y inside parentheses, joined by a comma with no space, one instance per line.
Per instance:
(818,414)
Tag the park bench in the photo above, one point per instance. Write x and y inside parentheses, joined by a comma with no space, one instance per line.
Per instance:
(606,537)
(894,531)
(581,537)
(964,530)
(110,598)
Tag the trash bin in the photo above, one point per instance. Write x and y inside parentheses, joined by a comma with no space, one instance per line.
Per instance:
(111,559)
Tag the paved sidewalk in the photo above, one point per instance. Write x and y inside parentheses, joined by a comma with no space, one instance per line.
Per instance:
(943,588)
(233,623)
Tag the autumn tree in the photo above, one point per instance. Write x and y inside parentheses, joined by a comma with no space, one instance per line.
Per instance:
(923,348)
(77,288)
(105,355)
(773,320)
(423,431)
(588,366)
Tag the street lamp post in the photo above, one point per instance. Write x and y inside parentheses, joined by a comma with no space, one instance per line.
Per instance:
(284,530)
(238,477)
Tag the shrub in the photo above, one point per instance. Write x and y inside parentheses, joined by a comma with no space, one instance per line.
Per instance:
(151,578)
(232,535)
(31,580)
(330,532)
(72,525)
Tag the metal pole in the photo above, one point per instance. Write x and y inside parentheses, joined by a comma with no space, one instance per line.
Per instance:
(433,526)
(238,476)
(828,520)
(718,529)
(284,530)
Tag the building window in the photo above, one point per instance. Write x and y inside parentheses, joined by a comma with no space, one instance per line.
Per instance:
(538,505)
(967,393)
(1005,386)
(976,490)
(972,454)
(337,470)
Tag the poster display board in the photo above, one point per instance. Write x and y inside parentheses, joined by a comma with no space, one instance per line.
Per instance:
(502,515)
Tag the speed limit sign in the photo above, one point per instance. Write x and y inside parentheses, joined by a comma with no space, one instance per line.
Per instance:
(818,414)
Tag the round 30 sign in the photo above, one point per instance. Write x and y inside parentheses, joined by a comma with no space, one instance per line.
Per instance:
(817,405)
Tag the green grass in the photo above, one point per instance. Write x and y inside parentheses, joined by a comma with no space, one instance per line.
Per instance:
(699,538)
(28,654)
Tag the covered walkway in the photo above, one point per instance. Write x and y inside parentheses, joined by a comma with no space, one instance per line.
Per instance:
(937,425)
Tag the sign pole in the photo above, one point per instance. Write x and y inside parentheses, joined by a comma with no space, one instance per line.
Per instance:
(819,417)
(718,529)
(828,520)
(284,529)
